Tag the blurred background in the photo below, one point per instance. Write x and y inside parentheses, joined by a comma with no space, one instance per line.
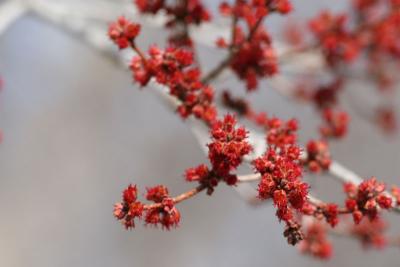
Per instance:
(77,131)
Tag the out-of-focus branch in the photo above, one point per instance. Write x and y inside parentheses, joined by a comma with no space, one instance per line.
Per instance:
(10,11)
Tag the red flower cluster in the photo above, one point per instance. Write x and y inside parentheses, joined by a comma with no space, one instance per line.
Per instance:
(255,58)
(163,212)
(252,11)
(166,214)
(316,242)
(123,32)
(179,14)
(281,180)
(229,145)
(335,123)
(173,67)
(150,6)
(337,42)
(327,211)
(188,11)
(281,134)
(130,208)
(370,233)
(318,156)
(226,152)
(366,198)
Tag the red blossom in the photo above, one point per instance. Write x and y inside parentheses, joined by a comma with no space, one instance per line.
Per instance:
(316,242)
(167,215)
(226,151)
(281,181)
(335,123)
(281,134)
(150,6)
(370,233)
(173,67)
(331,212)
(130,208)
(318,156)
(123,32)
(364,199)
(337,42)
(229,145)
(255,58)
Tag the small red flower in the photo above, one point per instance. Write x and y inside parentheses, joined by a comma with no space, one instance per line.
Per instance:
(318,156)
(123,32)
(364,200)
(167,215)
(316,242)
(173,67)
(335,123)
(226,152)
(130,208)
(337,42)
(371,233)
(281,181)
(255,58)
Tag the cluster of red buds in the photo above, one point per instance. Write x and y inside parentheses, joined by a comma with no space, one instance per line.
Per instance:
(336,41)
(252,56)
(281,171)
(226,152)
(163,212)
(130,208)
(366,199)
(172,67)
(335,123)
(328,211)
(123,32)
(371,233)
(180,14)
(316,242)
(318,156)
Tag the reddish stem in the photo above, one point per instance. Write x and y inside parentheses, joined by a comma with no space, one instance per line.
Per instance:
(179,198)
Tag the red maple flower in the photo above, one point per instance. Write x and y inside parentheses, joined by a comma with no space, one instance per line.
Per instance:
(254,59)
(335,123)
(281,181)
(318,156)
(123,32)
(371,233)
(129,209)
(336,40)
(167,215)
(364,199)
(226,152)
(316,242)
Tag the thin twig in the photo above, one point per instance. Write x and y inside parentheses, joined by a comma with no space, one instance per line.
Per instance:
(179,198)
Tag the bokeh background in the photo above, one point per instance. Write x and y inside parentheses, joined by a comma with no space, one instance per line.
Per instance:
(76,132)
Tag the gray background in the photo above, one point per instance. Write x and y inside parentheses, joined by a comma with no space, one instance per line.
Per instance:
(76,132)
